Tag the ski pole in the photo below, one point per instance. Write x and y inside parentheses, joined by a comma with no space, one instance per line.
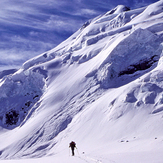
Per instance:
(77,151)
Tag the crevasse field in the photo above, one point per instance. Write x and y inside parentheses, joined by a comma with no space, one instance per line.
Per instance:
(102,88)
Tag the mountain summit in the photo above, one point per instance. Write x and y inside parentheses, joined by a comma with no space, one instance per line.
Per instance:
(119,9)
(102,87)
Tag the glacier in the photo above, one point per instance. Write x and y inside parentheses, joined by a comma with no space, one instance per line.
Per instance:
(102,87)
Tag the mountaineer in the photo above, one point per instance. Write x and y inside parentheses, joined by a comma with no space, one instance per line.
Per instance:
(72,146)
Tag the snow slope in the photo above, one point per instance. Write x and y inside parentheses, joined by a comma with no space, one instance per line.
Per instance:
(102,87)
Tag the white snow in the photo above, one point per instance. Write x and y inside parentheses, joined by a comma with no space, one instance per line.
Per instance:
(102,88)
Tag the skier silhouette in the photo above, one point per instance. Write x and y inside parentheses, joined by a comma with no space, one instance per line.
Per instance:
(72,146)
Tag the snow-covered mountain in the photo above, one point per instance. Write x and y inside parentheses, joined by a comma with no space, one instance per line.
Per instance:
(102,87)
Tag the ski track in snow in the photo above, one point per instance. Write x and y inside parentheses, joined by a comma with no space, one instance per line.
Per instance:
(89,159)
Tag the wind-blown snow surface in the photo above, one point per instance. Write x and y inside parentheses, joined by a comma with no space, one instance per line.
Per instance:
(102,87)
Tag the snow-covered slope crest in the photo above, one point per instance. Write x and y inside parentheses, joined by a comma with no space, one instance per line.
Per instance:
(106,76)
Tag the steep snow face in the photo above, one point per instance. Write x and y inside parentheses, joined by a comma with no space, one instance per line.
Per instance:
(19,93)
(138,51)
(106,76)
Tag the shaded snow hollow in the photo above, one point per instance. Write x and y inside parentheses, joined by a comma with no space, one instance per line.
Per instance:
(102,87)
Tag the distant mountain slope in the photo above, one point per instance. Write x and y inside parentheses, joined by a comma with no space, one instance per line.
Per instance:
(7,72)
(102,84)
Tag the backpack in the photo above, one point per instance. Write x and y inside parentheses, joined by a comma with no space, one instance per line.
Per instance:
(72,144)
